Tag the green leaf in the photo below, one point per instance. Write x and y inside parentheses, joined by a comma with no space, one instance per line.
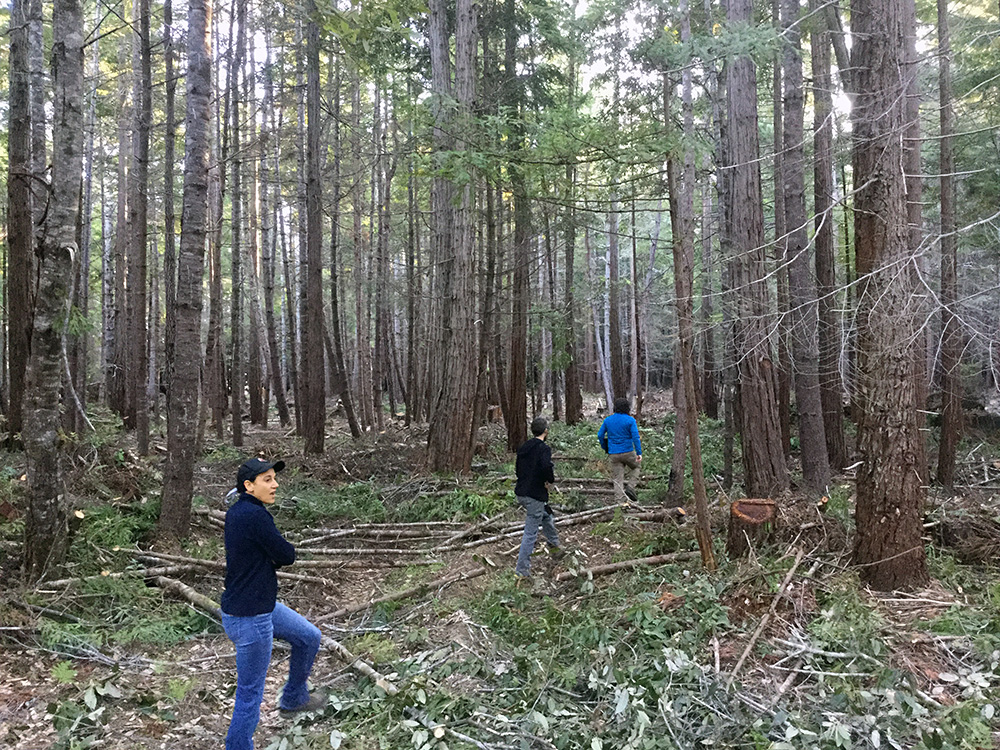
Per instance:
(63,672)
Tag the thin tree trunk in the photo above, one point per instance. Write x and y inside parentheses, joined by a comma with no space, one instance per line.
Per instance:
(236,370)
(951,333)
(269,210)
(137,413)
(182,393)
(314,412)
(802,290)
(20,229)
(784,334)
(831,385)
(169,217)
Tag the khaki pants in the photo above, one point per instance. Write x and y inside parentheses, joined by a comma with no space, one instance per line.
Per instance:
(619,461)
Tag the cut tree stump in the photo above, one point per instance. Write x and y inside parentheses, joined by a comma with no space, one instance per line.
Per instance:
(751,522)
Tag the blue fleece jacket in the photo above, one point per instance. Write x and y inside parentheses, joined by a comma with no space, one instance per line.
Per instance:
(620,434)
(254,550)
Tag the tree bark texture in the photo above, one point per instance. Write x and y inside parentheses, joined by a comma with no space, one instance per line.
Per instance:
(764,466)
(951,332)
(20,228)
(184,364)
(450,440)
(46,527)
(137,411)
(803,314)
(314,409)
(830,381)
(888,547)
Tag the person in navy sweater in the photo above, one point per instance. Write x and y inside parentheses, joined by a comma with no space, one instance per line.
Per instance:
(619,437)
(534,470)
(251,614)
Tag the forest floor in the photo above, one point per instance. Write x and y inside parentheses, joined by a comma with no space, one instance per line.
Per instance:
(412,573)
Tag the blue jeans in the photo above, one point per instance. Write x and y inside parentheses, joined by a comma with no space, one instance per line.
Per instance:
(536,517)
(253,637)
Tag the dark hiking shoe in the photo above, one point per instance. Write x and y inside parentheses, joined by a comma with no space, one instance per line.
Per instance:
(317,702)
(557,553)
(631,494)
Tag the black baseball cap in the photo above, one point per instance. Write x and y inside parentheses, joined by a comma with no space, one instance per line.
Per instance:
(253,468)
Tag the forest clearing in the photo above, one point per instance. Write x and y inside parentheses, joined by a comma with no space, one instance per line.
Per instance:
(380,241)
(783,649)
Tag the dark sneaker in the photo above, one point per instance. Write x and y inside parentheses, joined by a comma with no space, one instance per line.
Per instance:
(557,553)
(631,494)
(317,702)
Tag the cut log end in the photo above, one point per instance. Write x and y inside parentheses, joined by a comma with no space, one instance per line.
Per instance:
(751,523)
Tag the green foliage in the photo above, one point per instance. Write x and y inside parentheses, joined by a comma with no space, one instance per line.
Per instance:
(375,647)
(121,611)
(80,722)
(63,672)
(313,500)
(458,505)
(846,621)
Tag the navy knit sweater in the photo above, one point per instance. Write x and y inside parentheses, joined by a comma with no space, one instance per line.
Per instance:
(534,469)
(254,550)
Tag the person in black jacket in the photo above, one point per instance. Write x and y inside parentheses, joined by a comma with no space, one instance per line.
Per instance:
(251,614)
(534,469)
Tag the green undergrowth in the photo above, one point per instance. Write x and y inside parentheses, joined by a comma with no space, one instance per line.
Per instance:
(114,612)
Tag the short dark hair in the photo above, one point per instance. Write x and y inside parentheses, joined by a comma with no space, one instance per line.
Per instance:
(622,405)
(539,426)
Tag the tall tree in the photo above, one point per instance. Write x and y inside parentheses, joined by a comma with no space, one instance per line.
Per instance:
(314,409)
(951,334)
(137,411)
(830,382)
(184,364)
(888,548)
(46,528)
(20,226)
(763,455)
(802,289)
(450,440)
(237,228)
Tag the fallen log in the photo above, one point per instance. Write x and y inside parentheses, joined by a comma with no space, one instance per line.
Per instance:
(405,593)
(477,527)
(600,570)
(170,570)
(205,604)
(221,566)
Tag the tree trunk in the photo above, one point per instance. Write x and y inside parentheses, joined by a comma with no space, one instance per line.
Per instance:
(951,334)
(314,409)
(784,368)
(831,385)
(760,431)
(236,369)
(20,228)
(709,376)
(169,216)
(888,547)
(802,290)
(137,412)
(683,200)
(269,243)
(184,369)
(450,440)
(46,526)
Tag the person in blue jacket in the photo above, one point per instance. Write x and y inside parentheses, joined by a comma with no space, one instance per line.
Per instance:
(619,437)
(251,614)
